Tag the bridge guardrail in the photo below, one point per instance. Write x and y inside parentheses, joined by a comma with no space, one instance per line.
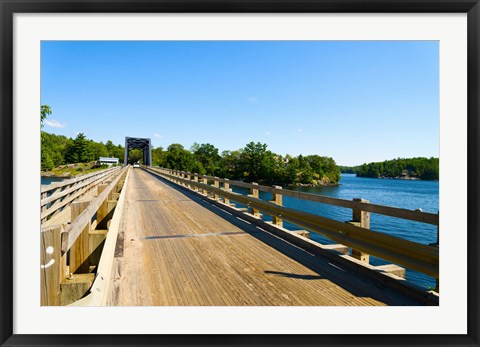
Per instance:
(102,287)
(67,249)
(61,194)
(356,235)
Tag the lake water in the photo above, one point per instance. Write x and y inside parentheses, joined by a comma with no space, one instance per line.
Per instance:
(390,192)
(48,180)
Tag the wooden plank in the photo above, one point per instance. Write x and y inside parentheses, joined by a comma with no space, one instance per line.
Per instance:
(74,188)
(67,200)
(103,209)
(337,248)
(50,266)
(363,220)
(59,185)
(75,287)
(85,217)
(79,251)
(103,287)
(303,233)
(392,269)
(96,240)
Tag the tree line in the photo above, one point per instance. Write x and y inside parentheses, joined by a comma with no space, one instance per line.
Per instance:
(422,168)
(252,163)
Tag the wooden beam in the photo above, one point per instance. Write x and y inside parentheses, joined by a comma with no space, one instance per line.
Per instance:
(75,287)
(96,239)
(362,218)
(277,200)
(79,251)
(84,219)
(50,266)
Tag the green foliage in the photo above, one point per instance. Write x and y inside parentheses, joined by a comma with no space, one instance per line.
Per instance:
(257,162)
(115,151)
(253,163)
(58,150)
(421,168)
(45,110)
(135,155)
(207,158)
(158,157)
(80,150)
(53,149)
(348,169)
(98,149)
(179,158)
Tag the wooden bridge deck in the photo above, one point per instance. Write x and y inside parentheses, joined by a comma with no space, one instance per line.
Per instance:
(177,249)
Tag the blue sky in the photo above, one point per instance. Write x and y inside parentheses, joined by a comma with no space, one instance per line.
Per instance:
(355,101)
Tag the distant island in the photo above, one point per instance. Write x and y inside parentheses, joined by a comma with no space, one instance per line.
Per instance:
(400,168)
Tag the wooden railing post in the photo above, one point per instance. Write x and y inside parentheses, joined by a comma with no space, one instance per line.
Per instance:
(184,176)
(362,219)
(216,184)
(204,181)
(103,210)
(277,200)
(43,208)
(195,179)
(51,266)
(226,187)
(79,251)
(254,194)
(189,177)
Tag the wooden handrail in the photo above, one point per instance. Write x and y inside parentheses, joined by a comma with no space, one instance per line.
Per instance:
(66,196)
(48,187)
(101,287)
(77,226)
(81,239)
(410,254)
(417,216)
(84,182)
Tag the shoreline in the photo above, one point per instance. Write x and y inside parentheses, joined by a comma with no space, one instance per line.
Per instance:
(396,178)
(42,175)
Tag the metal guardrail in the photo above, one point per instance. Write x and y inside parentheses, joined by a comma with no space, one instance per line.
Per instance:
(413,255)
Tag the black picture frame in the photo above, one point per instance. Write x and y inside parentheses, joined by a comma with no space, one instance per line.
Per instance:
(10,7)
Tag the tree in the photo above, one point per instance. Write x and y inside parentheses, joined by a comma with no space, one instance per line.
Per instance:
(44,111)
(135,155)
(79,151)
(158,156)
(208,156)
(257,162)
(178,158)
(230,164)
(53,149)
(98,149)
